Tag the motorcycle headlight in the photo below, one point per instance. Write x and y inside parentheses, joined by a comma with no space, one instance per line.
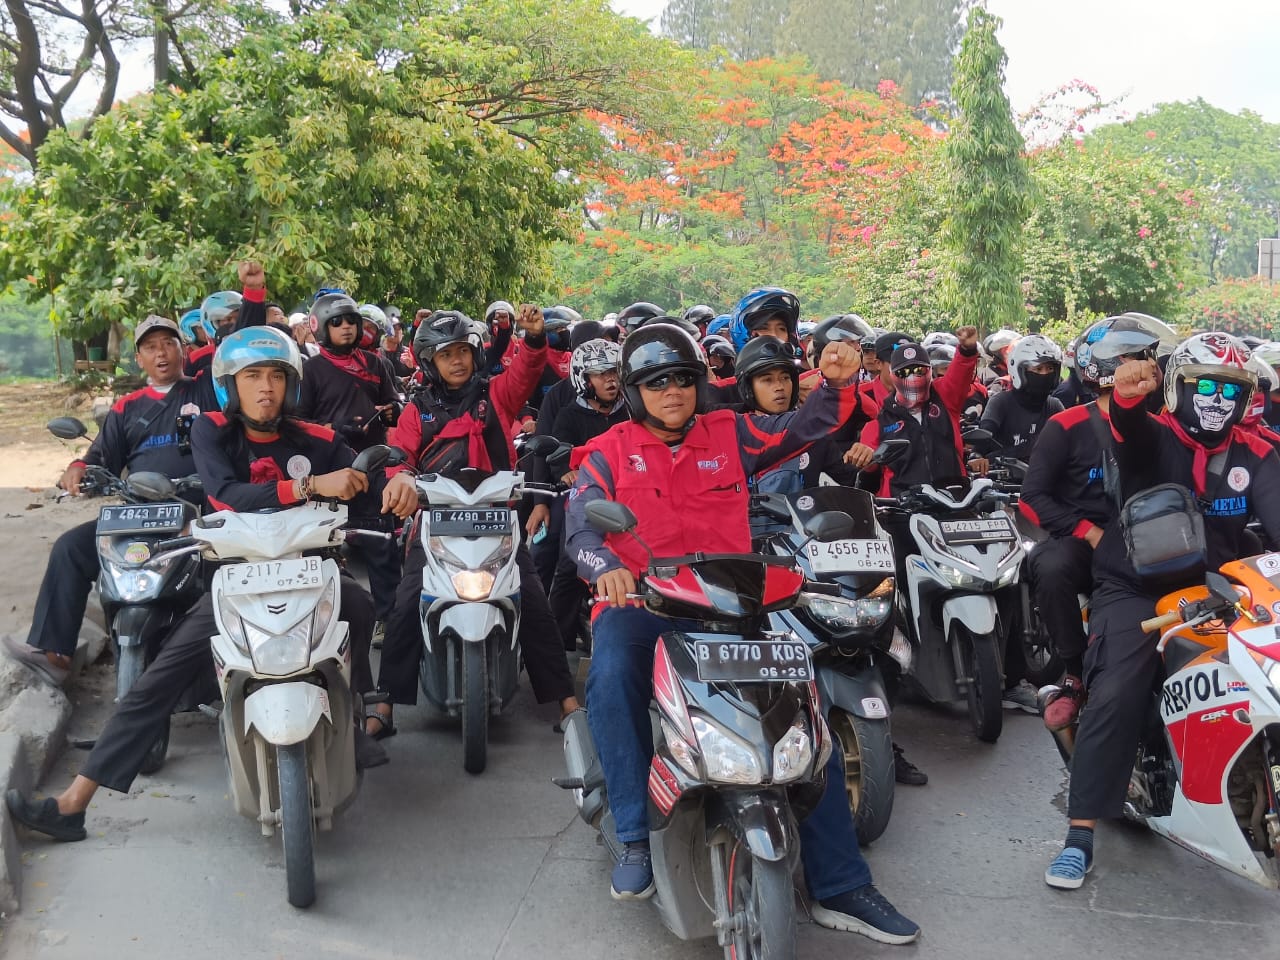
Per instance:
(954,575)
(681,751)
(793,753)
(469,583)
(127,567)
(323,615)
(1008,576)
(727,759)
(277,655)
(843,614)
(472,584)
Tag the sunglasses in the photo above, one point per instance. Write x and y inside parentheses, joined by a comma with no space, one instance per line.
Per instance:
(912,372)
(683,380)
(1230,391)
(344,321)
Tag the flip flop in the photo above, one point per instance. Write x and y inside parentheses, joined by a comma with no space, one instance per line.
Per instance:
(387,728)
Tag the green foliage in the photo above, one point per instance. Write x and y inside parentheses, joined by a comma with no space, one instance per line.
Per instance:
(989,193)
(406,152)
(26,342)
(1239,306)
(1233,161)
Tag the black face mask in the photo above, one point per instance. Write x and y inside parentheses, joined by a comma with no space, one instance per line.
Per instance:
(1038,386)
(1192,418)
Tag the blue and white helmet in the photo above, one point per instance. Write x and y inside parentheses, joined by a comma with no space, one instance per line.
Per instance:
(218,310)
(256,347)
(188,325)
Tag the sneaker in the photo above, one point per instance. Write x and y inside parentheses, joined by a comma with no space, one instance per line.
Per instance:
(1068,870)
(906,772)
(379,632)
(633,874)
(43,817)
(1063,706)
(1021,696)
(34,658)
(369,752)
(865,911)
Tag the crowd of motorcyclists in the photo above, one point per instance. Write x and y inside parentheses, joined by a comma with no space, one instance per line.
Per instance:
(682,417)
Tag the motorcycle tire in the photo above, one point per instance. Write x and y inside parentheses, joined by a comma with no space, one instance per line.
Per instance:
(868,770)
(762,905)
(1043,665)
(157,753)
(475,707)
(986,682)
(297,825)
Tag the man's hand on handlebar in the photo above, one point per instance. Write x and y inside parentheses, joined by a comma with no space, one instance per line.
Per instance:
(859,455)
(71,477)
(400,496)
(341,484)
(613,587)
(978,466)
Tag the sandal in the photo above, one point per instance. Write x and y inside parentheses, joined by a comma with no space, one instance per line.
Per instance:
(386,728)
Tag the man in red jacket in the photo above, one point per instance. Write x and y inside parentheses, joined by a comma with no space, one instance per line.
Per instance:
(683,473)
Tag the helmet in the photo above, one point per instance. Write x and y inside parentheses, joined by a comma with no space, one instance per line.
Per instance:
(718,346)
(440,329)
(940,355)
(1167,338)
(219,309)
(843,326)
(758,306)
(1217,355)
(329,306)
(376,326)
(940,337)
(638,313)
(995,344)
(256,347)
(761,354)
(652,351)
(1030,350)
(720,324)
(594,356)
(1098,371)
(1266,375)
(498,306)
(688,326)
(556,323)
(393,314)
(561,312)
(699,313)
(188,324)
(805,328)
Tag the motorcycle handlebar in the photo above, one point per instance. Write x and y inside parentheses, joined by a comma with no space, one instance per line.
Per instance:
(177,543)
(1156,624)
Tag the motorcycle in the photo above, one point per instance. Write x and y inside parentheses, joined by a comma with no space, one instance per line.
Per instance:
(283,663)
(961,594)
(848,635)
(1207,771)
(740,743)
(470,606)
(144,590)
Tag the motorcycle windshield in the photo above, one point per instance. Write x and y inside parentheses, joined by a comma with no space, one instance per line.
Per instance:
(858,504)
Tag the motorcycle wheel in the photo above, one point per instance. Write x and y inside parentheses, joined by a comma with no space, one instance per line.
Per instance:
(130,662)
(762,907)
(475,708)
(868,770)
(1043,665)
(155,757)
(297,825)
(982,659)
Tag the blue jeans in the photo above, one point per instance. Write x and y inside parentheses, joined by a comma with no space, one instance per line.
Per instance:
(619,688)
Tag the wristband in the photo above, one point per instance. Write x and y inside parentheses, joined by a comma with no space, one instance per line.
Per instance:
(306,487)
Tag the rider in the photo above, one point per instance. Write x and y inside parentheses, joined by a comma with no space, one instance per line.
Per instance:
(1013,417)
(139,434)
(391,345)
(700,315)
(462,418)
(252,456)
(767,311)
(683,473)
(1195,442)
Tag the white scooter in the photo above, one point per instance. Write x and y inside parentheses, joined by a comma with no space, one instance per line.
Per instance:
(961,593)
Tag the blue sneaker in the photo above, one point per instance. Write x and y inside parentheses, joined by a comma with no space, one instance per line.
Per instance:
(1068,870)
(633,874)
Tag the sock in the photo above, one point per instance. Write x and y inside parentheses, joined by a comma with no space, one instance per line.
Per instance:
(1082,839)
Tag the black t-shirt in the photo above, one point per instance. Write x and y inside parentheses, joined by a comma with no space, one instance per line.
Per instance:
(141,431)
(1015,423)
(347,400)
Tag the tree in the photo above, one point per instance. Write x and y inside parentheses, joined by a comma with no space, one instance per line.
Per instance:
(1239,306)
(746,29)
(989,191)
(1233,161)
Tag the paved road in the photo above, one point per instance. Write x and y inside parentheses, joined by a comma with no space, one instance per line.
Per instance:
(431,862)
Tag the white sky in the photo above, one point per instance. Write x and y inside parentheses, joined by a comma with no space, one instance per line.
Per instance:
(1149,51)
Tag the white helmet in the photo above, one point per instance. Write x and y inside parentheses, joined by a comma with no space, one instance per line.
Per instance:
(1218,356)
(594,356)
(1028,351)
(940,338)
(994,344)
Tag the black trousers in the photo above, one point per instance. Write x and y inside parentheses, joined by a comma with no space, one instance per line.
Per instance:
(185,655)
(1120,668)
(382,561)
(547,552)
(568,593)
(64,591)
(540,643)
(1061,568)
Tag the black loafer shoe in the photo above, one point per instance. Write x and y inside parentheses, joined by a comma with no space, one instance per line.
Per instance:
(43,817)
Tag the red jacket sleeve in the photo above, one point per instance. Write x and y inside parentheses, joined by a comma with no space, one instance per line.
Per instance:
(956,384)
(406,435)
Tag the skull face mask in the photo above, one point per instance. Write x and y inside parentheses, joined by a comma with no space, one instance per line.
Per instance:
(913,390)
(1209,417)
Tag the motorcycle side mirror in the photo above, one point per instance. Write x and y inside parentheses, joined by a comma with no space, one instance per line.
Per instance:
(829,525)
(609,516)
(541,445)
(978,439)
(152,486)
(890,450)
(67,428)
(558,461)
(1221,588)
(377,457)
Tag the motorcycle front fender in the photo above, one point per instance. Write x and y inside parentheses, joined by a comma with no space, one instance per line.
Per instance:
(861,693)
(761,821)
(472,622)
(977,611)
(286,713)
(133,624)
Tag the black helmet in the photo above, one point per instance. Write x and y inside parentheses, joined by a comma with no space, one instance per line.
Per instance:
(556,324)
(638,313)
(329,306)
(440,329)
(846,327)
(699,314)
(688,326)
(761,354)
(652,351)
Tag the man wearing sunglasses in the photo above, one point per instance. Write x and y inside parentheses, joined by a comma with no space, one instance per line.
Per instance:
(683,472)
(1195,442)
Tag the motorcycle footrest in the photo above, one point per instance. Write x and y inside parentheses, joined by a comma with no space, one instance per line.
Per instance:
(569,783)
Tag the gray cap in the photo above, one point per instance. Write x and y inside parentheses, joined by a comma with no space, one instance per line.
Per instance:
(154,322)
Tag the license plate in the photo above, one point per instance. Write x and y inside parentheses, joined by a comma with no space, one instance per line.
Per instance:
(470,523)
(975,531)
(141,518)
(753,661)
(272,576)
(850,556)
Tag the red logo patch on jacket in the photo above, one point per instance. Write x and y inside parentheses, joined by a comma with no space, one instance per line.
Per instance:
(265,470)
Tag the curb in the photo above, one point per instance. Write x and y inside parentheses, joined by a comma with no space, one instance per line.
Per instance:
(14,773)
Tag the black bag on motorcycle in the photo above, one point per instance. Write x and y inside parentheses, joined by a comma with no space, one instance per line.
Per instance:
(1164,535)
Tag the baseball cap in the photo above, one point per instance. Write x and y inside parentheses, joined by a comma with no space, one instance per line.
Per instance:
(297,319)
(151,323)
(909,354)
(886,343)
